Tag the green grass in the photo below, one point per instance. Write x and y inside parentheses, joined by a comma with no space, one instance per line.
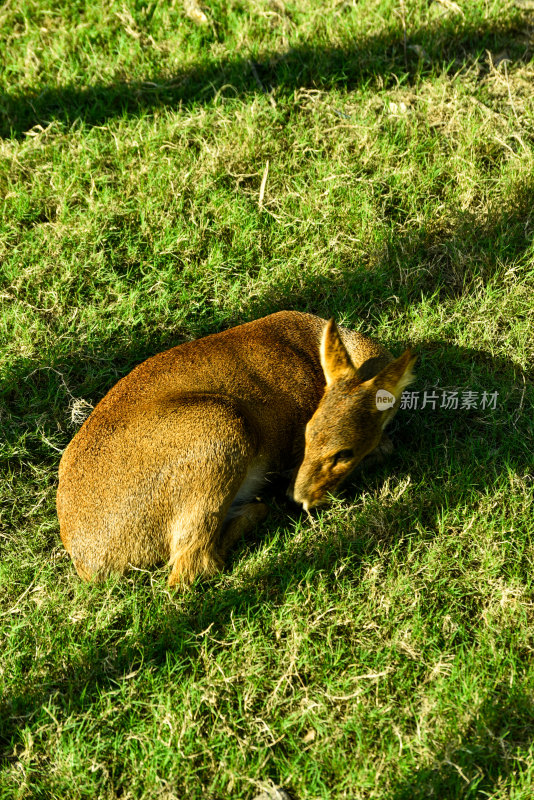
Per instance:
(383,649)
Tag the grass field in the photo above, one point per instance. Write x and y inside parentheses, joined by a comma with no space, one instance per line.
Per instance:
(384,648)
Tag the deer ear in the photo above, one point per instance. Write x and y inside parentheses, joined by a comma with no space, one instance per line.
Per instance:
(335,359)
(396,376)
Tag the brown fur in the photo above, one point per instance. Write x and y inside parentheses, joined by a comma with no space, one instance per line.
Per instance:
(165,467)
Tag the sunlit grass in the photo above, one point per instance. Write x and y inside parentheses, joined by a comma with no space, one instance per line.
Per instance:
(383,648)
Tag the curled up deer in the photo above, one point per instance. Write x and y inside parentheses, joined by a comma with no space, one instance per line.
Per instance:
(169,464)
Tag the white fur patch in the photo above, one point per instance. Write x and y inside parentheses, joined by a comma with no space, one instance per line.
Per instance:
(252,483)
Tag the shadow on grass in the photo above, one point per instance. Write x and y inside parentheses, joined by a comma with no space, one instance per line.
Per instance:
(498,736)
(448,45)
(430,447)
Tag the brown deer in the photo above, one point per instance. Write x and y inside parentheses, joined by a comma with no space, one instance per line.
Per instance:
(168,465)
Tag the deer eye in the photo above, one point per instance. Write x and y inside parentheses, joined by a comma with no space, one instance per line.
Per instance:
(343,455)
